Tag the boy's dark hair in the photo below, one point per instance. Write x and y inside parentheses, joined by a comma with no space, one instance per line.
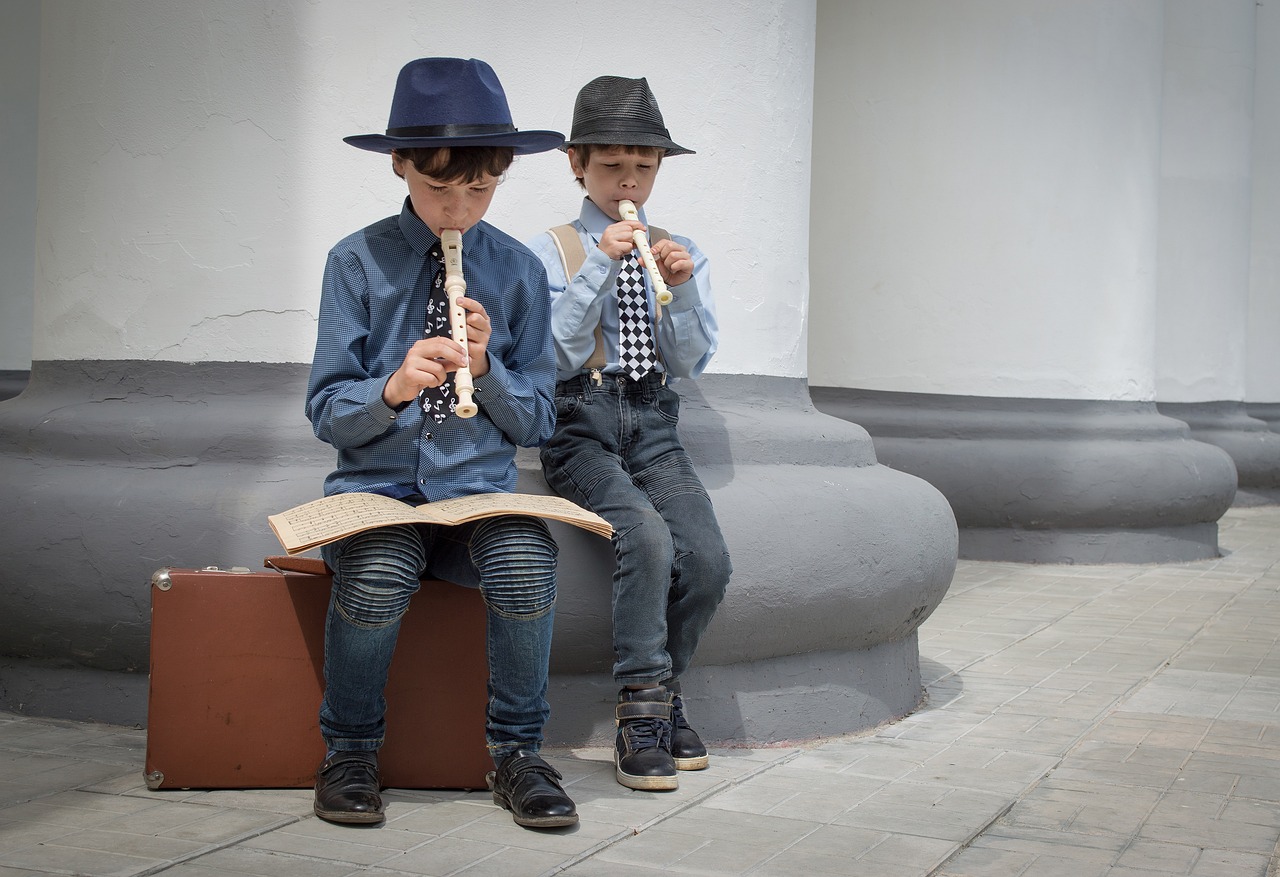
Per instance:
(583,153)
(464,164)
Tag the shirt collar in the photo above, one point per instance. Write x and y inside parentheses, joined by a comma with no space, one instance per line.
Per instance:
(415,231)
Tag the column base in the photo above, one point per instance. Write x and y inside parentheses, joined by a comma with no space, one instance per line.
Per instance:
(12,383)
(118,468)
(768,702)
(1253,447)
(1054,481)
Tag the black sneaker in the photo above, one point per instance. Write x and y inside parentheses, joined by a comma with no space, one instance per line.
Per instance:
(687,750)
(642,749)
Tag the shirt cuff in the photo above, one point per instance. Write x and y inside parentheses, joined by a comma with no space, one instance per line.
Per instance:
(684,297)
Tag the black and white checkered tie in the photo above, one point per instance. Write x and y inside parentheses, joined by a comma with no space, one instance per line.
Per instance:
(636,352)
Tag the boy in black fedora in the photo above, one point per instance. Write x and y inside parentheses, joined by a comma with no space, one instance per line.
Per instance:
(381,392)
(615,449)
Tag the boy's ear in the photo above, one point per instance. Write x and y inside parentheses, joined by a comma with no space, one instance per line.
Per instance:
(397,164)
(574,164)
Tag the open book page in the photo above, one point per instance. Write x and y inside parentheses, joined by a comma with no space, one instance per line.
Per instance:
(332,517)
(486,505)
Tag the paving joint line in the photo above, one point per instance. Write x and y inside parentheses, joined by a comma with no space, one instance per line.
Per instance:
(704,795)
(1273,870)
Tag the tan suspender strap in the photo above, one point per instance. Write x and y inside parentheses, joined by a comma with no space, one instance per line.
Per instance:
(572,255)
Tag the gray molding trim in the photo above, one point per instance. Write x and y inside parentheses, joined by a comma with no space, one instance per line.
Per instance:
(12,382)
(1252,445)
(122,467)
(1267,412)
(1048,480)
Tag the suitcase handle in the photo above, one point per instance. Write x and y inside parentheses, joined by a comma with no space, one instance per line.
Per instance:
(313,566)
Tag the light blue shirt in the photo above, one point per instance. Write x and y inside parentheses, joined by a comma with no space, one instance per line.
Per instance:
(373,307)
(687,333)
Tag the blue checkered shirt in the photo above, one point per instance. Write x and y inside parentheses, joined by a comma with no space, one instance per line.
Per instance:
(373,307)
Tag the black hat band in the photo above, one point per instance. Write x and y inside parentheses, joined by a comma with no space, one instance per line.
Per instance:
(450,130)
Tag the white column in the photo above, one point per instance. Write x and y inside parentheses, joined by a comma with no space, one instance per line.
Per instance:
(210,176)
(1205,174)
(19,81)
(984,206)
(1206,216)
(984,251)
(1262,363)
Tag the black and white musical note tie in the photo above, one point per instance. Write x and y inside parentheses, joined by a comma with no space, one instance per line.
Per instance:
(636,351)
(438,402)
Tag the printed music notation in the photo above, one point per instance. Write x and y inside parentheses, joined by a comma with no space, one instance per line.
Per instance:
(333,517)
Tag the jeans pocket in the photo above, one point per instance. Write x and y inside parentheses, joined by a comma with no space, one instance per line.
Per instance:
(567,408)
(667,403)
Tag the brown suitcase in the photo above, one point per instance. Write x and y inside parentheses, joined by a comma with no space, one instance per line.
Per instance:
(237,678)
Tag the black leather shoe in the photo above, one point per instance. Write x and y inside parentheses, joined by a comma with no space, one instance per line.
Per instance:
(530,788)
(347,788)
(642,749)
(687,750)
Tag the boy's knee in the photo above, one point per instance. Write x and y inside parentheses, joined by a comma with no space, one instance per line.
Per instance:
(706,574)
(376,574)
(516,557)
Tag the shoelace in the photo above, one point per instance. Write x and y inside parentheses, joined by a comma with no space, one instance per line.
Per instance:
(647,733)
(678,720)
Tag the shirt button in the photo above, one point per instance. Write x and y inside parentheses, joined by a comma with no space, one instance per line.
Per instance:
(422,481)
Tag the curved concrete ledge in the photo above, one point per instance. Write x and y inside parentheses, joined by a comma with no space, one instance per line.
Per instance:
(1042,480)
(12,382)
(118,468)
(1267,412)
(1250,441)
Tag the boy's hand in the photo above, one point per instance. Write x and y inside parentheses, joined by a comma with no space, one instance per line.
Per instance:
(616,241)
(427,364)
(479,328)
(674,262)
(430,361)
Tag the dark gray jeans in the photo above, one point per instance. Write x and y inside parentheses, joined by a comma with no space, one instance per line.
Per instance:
(615,451)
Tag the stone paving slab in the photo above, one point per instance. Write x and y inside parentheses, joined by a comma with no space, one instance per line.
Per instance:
(1120,721)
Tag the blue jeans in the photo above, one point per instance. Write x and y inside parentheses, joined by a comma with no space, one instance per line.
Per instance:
(615,451)
(511,559)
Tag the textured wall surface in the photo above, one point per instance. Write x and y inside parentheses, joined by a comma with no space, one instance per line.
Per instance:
(985,198)
(19,96)
(193,173)
(1205,201)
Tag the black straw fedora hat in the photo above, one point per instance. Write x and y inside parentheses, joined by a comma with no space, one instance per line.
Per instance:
(618,111)
(452,102)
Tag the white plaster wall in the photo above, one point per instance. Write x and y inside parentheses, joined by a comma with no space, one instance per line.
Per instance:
(1263,331)
(1205,201)
(985,197)
(192,174)
(19,89)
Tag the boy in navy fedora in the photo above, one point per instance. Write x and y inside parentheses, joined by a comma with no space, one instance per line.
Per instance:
(381,392)
(615,449)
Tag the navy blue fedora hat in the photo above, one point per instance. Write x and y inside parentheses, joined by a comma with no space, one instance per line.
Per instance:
(452,102)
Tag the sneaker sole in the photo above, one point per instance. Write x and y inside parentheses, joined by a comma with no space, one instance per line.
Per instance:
(646,784)
(697,763)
